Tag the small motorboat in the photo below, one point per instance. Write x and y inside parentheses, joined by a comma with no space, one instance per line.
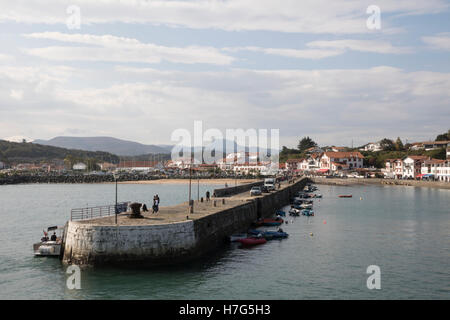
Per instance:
(270,222)
(252,241)
(49,247)
(307,212)
(294,212)
(318,195)
(275,235)
(306,206)
(237,237)
(345,196)
(280,213)
(268,235)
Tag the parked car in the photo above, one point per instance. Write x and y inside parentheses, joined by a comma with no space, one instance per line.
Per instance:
(255,191)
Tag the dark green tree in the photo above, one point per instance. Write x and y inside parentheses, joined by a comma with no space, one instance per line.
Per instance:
(306,143)
(444,136)
(387,144)
(399,145)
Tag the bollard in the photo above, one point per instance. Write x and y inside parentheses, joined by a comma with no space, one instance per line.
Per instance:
(223,201)
(201,199)
(214,203)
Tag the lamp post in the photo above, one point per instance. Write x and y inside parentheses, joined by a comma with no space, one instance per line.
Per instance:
(116,175)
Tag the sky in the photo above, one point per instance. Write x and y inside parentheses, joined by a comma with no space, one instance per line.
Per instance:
(336,71)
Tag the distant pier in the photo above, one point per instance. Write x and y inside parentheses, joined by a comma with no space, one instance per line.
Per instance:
(173,235)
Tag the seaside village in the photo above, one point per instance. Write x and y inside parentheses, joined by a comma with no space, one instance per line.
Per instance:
(330,162)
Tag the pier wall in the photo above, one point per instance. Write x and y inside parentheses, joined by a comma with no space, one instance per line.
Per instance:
(226,192)
(170,243)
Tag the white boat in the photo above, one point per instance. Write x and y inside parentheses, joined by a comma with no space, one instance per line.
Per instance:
(49,247)
(237,237)
(306,206)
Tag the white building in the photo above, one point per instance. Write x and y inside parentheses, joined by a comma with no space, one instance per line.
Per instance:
(293,164)
(389,170)
(79,166)
(250,168)
(443,171)
(330,160)
(372,146)
(412,166)
(429,168)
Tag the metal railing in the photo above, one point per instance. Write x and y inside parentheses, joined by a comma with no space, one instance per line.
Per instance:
(98,212)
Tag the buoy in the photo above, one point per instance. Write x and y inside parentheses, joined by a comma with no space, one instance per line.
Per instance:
(360,198)
(324,222)
(311,234)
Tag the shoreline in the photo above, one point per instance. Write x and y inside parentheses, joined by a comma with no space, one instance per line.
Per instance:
(381,182)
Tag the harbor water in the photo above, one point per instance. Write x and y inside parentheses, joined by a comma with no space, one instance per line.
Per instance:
(405,231)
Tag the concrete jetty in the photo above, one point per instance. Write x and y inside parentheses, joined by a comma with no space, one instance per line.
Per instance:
(172,235)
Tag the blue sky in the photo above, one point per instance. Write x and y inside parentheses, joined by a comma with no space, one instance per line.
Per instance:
(139,70)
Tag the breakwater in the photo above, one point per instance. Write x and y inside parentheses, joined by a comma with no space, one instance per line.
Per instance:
(226,192)
(18,178)
(173,236)
(377,181)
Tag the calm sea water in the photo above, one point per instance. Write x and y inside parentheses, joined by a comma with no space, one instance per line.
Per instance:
(403,230)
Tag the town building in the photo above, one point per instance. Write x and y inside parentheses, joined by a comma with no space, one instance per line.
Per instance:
(137,165)
(294,164)
(250,168)
(429,145)
(372,146)
(79,166)
(412,166)
(348,160)
(2,165)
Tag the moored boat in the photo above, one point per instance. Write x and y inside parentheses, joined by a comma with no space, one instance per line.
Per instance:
(308,212)
(49,247)
(280,213)
(270,222)
(345,196)
(252,241)
(237,237)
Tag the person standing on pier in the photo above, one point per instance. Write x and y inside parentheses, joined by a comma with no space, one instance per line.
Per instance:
(207,195)
(155,207)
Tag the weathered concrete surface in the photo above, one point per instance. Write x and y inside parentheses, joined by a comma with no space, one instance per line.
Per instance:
(171,236)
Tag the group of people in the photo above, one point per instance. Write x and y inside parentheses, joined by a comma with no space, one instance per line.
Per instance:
(46,238)
(155,207)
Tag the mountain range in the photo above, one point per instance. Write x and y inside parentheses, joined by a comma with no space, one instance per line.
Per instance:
(107,144)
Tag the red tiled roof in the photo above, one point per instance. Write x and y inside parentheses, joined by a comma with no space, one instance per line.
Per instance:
(349,154)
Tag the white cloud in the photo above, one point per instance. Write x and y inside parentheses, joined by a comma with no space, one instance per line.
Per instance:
(439,41)
(119,49)
(361,45)
(313,54)
(330,105)
(307,16)
(323,49)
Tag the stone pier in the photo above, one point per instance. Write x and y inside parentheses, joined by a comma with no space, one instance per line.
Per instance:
(173,235)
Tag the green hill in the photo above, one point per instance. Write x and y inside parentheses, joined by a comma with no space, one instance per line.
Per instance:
(23,152)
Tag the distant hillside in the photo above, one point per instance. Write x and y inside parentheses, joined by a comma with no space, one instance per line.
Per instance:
(106,144)
(13,151)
